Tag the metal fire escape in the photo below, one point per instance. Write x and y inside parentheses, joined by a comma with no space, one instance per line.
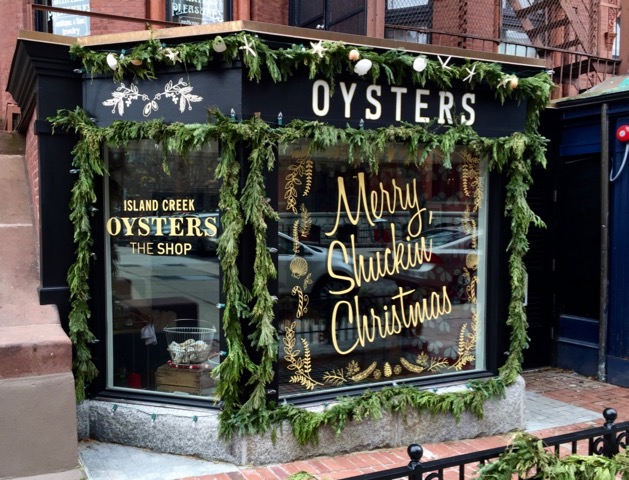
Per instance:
(566,33)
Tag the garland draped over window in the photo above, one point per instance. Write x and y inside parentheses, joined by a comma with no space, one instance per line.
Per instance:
(512,155)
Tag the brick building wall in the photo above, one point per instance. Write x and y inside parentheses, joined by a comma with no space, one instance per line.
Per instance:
(270,11)
(11,20)
(480,18)
(32,171)
(134,9)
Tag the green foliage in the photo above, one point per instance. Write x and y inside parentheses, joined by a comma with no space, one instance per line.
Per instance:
(528,457)
(245,407)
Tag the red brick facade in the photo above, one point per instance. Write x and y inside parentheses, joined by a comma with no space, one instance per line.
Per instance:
(270,11)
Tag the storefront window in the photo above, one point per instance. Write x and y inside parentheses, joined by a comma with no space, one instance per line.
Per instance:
(196,12)
(161,231)
(381,274)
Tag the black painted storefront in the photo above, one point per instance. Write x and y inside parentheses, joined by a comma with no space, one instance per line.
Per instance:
(44,80)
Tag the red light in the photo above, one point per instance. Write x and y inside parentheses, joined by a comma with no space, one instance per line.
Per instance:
(622,134)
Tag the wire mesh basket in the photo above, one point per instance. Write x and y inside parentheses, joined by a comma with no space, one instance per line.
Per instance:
(189,345)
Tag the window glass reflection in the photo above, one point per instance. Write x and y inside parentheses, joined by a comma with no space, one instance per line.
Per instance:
(381,275)
(162,228)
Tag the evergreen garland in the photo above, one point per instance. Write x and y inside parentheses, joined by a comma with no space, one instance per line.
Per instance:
(513,155)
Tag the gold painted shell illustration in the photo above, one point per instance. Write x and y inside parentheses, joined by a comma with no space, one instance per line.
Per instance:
(298,267)
(471,261)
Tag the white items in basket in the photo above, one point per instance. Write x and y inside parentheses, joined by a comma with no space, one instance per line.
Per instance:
(190,351)
(189,345)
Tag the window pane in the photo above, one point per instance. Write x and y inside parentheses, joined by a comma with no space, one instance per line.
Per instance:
(196,12)
(381,275)
(162,228)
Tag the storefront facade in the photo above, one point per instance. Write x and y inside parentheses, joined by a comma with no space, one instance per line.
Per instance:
(255,241)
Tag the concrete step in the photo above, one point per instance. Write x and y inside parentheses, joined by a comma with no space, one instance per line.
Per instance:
(38,427)
(12,143)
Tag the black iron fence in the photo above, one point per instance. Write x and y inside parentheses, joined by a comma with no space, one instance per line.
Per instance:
(607,440)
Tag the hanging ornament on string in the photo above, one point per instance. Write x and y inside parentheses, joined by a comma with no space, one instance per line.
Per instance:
(219,45)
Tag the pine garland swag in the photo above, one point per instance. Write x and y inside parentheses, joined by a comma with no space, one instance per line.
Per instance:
(514,155)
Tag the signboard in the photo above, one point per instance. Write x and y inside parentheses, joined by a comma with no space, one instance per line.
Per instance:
(71,25)
(185,98)
(196,12)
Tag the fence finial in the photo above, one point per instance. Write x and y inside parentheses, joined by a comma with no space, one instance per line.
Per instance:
(414,451)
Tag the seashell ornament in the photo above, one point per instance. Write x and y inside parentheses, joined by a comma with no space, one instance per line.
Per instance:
(363,66)
(218,45)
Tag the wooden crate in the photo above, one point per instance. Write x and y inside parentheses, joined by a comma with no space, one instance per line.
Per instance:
(195,381)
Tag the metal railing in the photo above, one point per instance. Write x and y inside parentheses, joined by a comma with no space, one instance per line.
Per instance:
(607,441)
(45,10)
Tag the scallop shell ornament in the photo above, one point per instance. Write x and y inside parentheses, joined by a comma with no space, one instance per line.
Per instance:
(362,66)
(298,267)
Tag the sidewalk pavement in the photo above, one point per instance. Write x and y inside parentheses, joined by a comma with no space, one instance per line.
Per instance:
(557,401)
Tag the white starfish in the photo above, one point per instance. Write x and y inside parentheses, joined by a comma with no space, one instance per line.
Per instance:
(173,55)
(317,48)
(471,72)
(247,47)
(444,65)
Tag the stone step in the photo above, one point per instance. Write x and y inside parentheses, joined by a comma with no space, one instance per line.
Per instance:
(11,143)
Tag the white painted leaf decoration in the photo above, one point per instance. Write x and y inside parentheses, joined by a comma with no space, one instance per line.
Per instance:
(179,93)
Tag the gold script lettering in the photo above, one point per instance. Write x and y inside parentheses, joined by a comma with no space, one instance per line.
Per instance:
(400,315)
(378,202)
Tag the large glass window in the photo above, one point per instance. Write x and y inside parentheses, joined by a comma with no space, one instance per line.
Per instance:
(381,274)
(161,230)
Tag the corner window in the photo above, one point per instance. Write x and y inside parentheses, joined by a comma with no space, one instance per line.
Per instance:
(381,274)
(163,289)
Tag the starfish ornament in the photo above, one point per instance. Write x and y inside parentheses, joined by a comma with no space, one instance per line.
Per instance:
(247,47)
(173,55)
(317,48)
(471,73)
(444,65)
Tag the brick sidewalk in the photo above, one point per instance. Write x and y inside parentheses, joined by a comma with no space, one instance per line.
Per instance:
(556,384)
